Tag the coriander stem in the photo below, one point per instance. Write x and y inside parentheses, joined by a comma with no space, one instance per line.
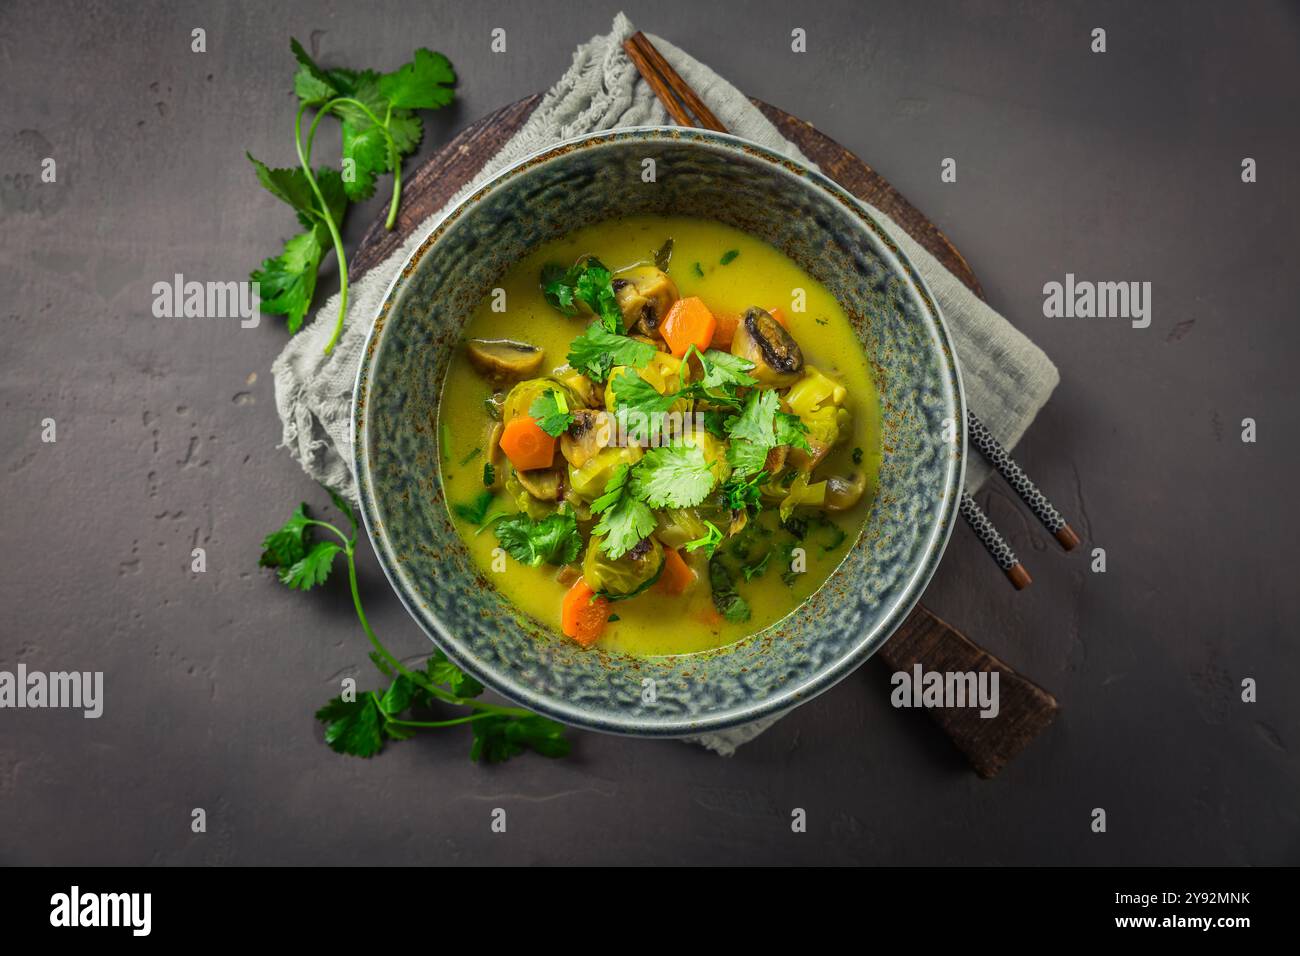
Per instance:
(339,253)
(396,162)
(439,723)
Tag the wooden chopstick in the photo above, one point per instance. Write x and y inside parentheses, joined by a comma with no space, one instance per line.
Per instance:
(668,85)
(677,96)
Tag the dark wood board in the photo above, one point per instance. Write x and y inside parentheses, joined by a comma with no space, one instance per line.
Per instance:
(1025,708)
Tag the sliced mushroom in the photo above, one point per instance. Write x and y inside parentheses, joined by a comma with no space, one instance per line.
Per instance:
(843,493)
(504,360)
(777,358)
(644,294)
(544,484)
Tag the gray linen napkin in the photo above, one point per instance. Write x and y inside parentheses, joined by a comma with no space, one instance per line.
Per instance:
(1007,377)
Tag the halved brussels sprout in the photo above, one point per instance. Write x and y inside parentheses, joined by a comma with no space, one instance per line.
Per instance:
(677,526)
(590,432)
(625,575)
(588,482)
(522,396)
(524,500)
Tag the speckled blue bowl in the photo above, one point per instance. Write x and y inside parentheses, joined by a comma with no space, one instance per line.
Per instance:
(830,235)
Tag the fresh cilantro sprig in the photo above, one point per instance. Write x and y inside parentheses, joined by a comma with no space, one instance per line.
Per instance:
(760,427)
(673,476)
(551,412)
(597,351)
(379,128)
(588,282)
(361,724)
(624,519)
(553,540)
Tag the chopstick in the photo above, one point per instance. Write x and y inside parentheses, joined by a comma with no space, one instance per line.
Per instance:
(680,101)
(994,543)
(668,85)
(1034,499)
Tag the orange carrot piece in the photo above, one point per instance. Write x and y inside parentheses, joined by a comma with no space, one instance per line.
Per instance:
(677,575)
(726,330)
(689,323)
(526,445)
(582,618)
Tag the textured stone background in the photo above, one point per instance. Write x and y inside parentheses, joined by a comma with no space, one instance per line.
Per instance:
(1122,166)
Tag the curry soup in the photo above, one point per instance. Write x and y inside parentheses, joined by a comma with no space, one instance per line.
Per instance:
(648,445)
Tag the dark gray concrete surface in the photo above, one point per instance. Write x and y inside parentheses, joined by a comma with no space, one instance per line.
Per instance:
(1122,166)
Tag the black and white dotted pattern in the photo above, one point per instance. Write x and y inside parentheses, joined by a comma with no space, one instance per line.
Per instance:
(988,535)
(998,457)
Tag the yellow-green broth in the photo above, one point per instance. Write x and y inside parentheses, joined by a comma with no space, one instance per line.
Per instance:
(653,624)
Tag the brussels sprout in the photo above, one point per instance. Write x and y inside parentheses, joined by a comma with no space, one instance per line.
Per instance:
(524,501)
(588,482)
(522,396)
(677,526)
(626,575)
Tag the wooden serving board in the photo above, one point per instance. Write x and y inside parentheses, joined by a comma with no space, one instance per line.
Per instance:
(1025,708)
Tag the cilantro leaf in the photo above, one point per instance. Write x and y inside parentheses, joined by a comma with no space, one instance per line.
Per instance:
(353,727)
(498,738)
(756,569)
(712,538)
(366,148)
(443,671)
(311,83)
(729,604)
(289,186)
(790,430)
(476,510)
(624,521)
(554,539)
(312,568)
(588,282)
(551,411)
(675,476)
(288,282)
(755,422)
(597,351)
(489,474)
(723,368)
(746,457)
(740,493)
(288,544)
(729,256)
(423,84)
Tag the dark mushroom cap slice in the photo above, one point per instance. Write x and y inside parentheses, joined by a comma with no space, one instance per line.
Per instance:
(777,358)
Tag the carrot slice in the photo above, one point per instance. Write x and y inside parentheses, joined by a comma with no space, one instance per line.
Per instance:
(526,445)
(582,618)
(726,330)
(677,575)
(689,322)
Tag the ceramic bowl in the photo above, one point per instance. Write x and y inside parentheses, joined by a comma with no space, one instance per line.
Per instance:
(830,235)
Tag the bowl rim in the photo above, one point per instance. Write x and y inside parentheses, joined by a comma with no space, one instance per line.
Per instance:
(785,699)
